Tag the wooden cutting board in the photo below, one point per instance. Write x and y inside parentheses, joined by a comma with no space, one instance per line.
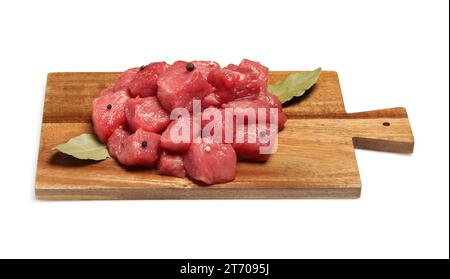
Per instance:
(315,157)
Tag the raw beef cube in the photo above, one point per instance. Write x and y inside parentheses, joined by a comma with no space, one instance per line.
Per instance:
(205,67)
(210,163)
(235,82)
(262,72)
(246,150)
(116,141)
(270,99)
(176,127)
(213,118)
(108,113)
(171,164)
(144,82)
(226,82)
(211,100)
(125,78)
(146,113)
(140,149)
(249,108)
(178,87)
(250,150)
(274,102)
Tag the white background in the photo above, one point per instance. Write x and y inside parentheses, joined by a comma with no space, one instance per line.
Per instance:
(387,53)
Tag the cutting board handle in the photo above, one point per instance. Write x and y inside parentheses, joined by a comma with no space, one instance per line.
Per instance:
(384,130)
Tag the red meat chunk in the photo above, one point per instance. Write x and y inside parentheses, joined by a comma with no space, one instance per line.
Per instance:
(261,71)
(178,87)
(210,121)
(125,78)
(116,141)
(146,113)
(249,108)
(211,100)
(246,150)
(210,163)
(270,99)
(139,149)
(235,82)
(144,82)
(250,148)
(108,113)
(171,164)
(176,128)
(274,102)
(141,81)
(205,67)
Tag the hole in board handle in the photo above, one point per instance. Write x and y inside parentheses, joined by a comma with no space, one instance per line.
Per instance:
(386,124)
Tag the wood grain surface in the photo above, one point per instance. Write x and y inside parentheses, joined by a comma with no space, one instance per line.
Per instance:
(315,156)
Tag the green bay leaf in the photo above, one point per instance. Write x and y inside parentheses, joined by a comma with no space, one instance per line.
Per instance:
(294,85)
(84,146)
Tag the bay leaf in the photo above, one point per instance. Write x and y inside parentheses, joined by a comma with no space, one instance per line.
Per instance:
(294,85)
(84,146)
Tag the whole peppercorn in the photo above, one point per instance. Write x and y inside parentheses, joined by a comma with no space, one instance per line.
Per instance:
(190,67)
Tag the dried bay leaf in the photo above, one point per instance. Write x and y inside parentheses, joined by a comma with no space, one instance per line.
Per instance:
(294,85)
(84,146)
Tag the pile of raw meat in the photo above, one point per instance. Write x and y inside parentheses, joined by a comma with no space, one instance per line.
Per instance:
(133,116)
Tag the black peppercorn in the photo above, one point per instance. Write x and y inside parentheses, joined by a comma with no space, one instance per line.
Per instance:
(109,106)
(142,67)
(190,67)
(144,144)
